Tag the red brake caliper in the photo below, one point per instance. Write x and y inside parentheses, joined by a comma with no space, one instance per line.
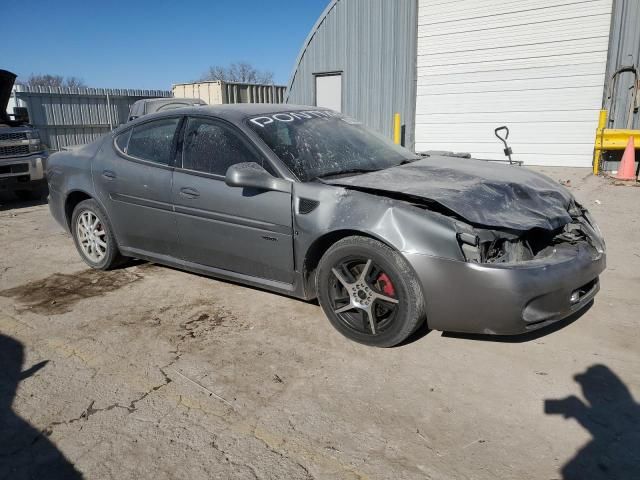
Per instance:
(387,286)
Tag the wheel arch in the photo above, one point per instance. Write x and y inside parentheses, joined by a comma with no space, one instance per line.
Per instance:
(320,246)
(72,199)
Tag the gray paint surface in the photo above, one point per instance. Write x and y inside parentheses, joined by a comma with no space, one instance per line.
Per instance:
(373,42)
(199,222)
(624,50)
(481,192)
(70,116)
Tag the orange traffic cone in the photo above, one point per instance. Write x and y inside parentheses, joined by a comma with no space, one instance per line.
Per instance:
(627,170)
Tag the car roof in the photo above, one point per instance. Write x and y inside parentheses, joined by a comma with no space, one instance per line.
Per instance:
(233,112)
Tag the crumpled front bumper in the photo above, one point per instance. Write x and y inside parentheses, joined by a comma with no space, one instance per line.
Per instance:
(507,299)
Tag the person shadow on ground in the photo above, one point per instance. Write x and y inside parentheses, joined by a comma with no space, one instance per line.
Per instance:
(612,417)
(25,453)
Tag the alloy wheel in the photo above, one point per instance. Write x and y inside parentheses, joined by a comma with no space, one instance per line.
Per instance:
(92,236)
(363,296)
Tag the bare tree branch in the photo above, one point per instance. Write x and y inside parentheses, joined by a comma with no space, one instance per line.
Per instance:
(242,72)
(48,80)
(74,82)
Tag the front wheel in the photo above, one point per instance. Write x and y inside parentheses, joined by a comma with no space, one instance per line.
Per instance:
(94,237)
(369,292)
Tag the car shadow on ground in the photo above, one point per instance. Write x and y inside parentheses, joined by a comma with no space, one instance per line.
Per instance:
(25,452)
(8,201)
(524,337)
(612,417)
(421,332)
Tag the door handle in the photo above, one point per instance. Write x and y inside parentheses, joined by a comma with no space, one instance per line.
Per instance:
(189,192)
(108,174)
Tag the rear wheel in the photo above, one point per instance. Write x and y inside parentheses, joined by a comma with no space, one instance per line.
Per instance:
(93,236)
(369,292)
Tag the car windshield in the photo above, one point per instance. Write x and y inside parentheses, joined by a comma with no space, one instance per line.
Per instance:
(322,143)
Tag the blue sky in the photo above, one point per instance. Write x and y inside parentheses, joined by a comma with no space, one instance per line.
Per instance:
(152,44)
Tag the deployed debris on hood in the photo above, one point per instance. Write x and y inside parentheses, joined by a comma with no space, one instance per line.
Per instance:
(482,193)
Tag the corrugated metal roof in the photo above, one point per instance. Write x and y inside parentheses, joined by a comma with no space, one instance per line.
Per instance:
(373,43)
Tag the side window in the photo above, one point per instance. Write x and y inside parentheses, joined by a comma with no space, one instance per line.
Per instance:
(122,140)
(152,141)
(212,147)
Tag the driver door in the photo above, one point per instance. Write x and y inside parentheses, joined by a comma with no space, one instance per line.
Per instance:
(241,230)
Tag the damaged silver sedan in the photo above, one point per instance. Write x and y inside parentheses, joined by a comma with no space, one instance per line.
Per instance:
(309,203)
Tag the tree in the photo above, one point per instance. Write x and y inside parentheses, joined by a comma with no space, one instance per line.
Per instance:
(48,80)
(242,72)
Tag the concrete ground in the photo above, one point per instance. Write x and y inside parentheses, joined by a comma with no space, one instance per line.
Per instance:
(150,372)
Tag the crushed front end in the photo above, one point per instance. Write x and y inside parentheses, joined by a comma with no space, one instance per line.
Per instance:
(514,281)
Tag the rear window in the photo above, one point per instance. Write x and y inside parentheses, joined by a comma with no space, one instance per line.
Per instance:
(122,140)
(153,141)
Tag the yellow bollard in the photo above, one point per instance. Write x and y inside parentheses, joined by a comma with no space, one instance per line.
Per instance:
(397,129)
(597,149)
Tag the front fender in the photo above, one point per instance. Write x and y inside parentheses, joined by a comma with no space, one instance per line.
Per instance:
(403,226)
(342,212)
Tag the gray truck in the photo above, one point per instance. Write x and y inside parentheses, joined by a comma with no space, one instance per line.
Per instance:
(23,156)
(153,105)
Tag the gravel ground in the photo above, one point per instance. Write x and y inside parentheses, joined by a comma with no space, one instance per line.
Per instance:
(150,372)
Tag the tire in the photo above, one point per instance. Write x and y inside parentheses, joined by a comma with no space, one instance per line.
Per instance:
(381,308)
(104,257)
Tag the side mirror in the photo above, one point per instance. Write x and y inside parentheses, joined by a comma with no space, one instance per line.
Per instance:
(253,175)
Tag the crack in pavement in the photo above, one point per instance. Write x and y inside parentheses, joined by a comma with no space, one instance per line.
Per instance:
(90,410)
(225,454)
(227,457)
(282,455)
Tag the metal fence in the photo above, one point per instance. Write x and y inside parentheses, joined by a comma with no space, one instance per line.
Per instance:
(74,116)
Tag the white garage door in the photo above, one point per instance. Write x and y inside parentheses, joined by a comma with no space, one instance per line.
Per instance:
(537,66)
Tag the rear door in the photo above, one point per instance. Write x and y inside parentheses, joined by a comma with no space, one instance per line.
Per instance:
(237,229)
(133,180)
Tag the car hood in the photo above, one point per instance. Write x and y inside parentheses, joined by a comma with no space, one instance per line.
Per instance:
(6,84)
(483,193)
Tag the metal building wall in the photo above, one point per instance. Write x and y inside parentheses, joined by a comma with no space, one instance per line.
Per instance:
(234,92)
(624,50)
(71,116)
(216,92)
(373,43)
(537,66)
